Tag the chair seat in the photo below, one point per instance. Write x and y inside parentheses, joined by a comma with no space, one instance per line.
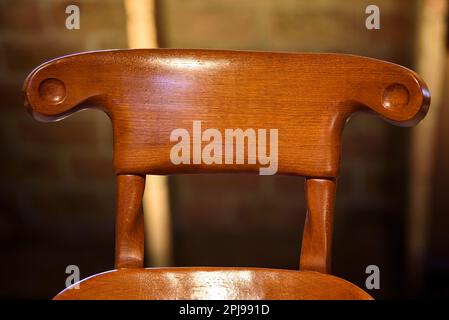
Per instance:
(213,283)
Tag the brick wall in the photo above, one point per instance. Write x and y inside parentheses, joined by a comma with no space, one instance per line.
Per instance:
(57,187)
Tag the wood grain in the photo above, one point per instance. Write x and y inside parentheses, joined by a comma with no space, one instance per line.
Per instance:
(213,283)
(149,93)
(129,233)
(317,235)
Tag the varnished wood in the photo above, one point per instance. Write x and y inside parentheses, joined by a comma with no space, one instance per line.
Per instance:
(317,236)
(129,234)
(214,283)
(149,93)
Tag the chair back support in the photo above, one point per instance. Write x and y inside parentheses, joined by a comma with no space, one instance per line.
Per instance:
(200,111)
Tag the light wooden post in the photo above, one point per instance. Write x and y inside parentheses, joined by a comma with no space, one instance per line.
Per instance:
(430,62)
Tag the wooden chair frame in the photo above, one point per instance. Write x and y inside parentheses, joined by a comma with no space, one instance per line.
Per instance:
(147,94)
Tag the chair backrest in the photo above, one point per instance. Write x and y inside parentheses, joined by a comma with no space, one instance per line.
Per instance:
(188,111)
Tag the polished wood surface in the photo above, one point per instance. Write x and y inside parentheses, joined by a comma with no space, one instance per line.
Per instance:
(150,93)
(317,235)
(129,231)
(214,283)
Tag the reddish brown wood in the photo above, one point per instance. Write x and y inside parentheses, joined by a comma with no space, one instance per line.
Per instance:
(129,234)
(149,93)
(317,235)
(214,283)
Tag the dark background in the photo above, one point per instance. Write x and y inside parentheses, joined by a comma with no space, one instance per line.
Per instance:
(57,186)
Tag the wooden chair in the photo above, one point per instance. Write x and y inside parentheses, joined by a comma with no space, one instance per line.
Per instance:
(149,93)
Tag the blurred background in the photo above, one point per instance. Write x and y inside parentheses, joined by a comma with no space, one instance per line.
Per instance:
(57,186)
